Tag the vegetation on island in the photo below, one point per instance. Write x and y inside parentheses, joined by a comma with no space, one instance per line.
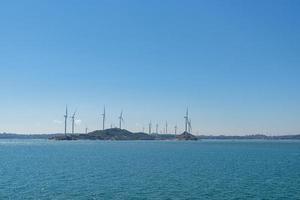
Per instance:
(123,134)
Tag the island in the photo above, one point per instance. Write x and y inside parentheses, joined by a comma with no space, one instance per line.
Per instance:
(123,134)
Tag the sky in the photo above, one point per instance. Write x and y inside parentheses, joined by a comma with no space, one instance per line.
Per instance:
(235,65)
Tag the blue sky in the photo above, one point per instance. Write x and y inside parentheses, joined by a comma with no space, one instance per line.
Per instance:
(235,64)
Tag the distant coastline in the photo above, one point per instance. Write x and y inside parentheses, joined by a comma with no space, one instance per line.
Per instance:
(143,136)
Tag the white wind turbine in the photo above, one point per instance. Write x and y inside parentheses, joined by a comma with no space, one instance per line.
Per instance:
(66,117)
(73,121)
(103,119)
(186,117)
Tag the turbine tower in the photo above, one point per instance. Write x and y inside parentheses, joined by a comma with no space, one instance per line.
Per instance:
(66,117)
(73,121)
(190,126)
(121,120)
(186,117)
(166,127)
(103,119)
(150,127)
(175,129)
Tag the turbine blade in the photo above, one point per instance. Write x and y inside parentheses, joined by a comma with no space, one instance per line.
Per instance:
(75,112)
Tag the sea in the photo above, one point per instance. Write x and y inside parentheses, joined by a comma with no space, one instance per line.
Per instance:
(154,170)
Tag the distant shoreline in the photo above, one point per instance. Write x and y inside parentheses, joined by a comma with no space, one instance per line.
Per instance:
(156,136)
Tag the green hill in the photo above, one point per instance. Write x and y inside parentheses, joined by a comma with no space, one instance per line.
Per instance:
(108,134)
(122,134)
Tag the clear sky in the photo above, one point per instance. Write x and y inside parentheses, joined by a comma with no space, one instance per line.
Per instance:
(235,64)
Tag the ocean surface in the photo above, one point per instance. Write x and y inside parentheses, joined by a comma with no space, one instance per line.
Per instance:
(42,169)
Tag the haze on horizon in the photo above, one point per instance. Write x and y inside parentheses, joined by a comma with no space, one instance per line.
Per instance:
(235,64)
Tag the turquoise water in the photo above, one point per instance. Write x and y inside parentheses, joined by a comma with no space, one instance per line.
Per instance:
(41,169)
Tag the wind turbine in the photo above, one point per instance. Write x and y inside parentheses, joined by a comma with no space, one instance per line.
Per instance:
(66,117)
(73,121)
(150,127)
(103,118)
(186,117)
(121,119)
